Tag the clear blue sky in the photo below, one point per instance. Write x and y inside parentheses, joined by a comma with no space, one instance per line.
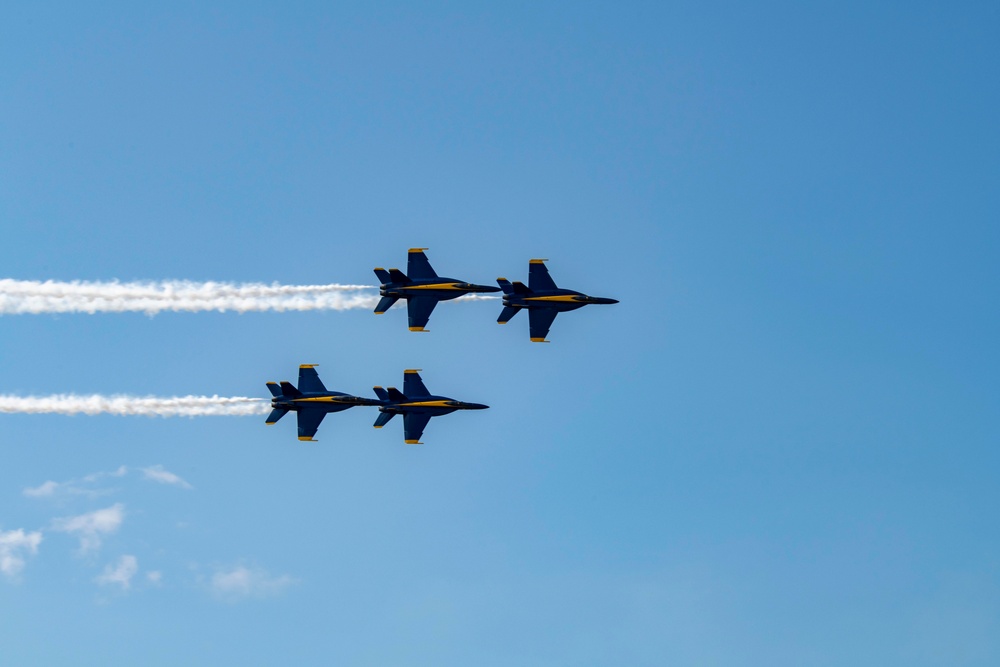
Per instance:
(780,448)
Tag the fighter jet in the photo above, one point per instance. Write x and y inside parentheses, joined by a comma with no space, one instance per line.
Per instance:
(542,299)
(311,401)
(417,405)
(421,287)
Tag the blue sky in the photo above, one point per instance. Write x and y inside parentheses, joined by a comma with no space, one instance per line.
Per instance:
(778,449)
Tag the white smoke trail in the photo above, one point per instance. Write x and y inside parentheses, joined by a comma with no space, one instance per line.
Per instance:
(20,297)
(148,406)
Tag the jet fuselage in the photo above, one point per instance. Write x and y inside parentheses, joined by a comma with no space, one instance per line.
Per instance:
(561,300)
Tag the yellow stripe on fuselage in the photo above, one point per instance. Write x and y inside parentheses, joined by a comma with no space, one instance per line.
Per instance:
(443,286)
(565,298)
(426,404)
(321,399)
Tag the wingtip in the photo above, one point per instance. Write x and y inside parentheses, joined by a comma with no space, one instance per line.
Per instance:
(417,249)
(413,442)
(539,340)
(303,438)
(421,329)
(537,261)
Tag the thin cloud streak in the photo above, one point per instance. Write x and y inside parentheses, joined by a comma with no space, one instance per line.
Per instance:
(160,474)
(33,297)
(148,406)
(75,487)
(241,582)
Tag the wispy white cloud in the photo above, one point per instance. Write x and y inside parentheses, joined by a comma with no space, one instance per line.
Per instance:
(154,577)
(121,471)
(240,582)
(160,474)
(44,490)
(91,527)
(74,487)
(15,546)
(120,573)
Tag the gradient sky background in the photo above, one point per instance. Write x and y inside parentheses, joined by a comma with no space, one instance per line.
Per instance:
(779,449)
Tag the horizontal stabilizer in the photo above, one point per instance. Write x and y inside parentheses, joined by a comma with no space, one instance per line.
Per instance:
(275,415)
(383,419)
(397,276)
(385,303)
(520,288)
(382,394)
(274,389)
(506,314)
(287,389)
(395,395)
(383,276)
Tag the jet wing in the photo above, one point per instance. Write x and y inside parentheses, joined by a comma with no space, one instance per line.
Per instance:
(539,322)
(419,310)
(413,386)
(413,427)
(309,421)
(539,279)
(417,266)
(309,381)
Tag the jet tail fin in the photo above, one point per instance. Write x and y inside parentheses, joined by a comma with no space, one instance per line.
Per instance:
(509,287)
(275,415)
(385,303)
(288,389)
(274,389)
(506,314)
(397,276)
(521,288)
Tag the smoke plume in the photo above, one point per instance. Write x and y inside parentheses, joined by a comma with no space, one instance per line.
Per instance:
(18,297)
(148,406)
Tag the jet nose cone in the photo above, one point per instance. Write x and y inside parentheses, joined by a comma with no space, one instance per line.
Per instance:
(602,300)
(485,288)
(475,406)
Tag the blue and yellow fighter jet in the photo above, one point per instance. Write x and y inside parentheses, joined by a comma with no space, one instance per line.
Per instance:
(417,405)
(311,401)
(542,299)
(421,287)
